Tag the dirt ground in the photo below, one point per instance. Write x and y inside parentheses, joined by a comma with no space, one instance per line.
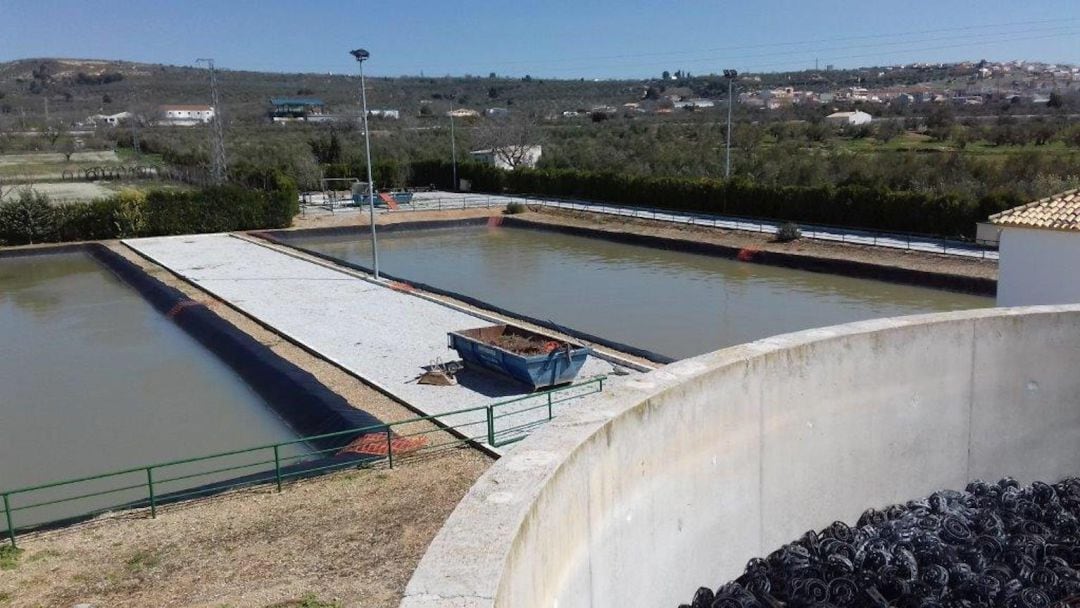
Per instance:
(348,539)
(94,156)
(61,192)
(320,218)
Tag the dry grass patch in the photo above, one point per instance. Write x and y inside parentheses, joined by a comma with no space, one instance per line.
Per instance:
(348,539)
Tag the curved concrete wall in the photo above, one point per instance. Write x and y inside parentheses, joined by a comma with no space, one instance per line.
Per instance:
(674,480)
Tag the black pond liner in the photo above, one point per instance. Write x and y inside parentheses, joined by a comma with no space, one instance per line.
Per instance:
(991,545)
(307,406)
(284,237)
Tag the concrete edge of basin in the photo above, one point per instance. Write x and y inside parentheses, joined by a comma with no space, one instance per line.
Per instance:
(465,564)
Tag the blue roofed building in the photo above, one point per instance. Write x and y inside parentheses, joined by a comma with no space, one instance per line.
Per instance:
(296,108)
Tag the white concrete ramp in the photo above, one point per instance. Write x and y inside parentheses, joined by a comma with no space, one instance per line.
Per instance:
(381,335)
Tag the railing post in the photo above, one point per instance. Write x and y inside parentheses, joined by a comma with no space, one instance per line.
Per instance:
(491,426)
(277,468)
(150,485)
(549,405)
(390,446)
(7,516)
(601,384)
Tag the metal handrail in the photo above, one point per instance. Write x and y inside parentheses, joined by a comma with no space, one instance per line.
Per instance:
(276,475)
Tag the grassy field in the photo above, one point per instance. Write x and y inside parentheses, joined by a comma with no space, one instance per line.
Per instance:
(44,173)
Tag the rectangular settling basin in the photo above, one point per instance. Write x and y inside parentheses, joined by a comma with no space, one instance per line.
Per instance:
(673,303)
(93,379)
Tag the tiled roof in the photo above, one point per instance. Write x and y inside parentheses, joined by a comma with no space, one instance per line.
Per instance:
(1058,212)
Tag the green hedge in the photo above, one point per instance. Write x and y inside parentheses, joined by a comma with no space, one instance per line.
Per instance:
(29,218)
(218,209)
(851,206)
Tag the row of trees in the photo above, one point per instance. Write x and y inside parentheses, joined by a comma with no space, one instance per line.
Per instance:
(858,206)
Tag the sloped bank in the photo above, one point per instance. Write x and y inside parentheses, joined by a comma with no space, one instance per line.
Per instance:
(681,476)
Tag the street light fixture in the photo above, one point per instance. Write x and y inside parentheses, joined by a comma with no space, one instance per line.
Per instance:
(730,75)
(361,55)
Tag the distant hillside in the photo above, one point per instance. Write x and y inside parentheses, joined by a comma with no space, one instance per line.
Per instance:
(78,88)
(73,89)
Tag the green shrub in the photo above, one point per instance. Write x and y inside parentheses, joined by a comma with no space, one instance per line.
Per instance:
(787,232)
(220,209)
(514,208)
(27,219)
(30,218)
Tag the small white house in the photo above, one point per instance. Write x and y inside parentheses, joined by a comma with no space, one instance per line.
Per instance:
(849,119)
(1040,252)
(387,114)
(509,157)
(110,120)
(185,115)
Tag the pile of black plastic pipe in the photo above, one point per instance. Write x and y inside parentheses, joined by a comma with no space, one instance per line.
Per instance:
(991,545)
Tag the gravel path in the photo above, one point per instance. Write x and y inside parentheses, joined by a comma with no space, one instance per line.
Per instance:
(380,334)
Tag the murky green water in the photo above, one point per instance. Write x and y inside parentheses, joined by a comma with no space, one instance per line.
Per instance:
(93,379)
(674,303)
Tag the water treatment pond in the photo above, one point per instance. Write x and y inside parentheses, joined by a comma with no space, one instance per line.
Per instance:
(670,302)
(93,379)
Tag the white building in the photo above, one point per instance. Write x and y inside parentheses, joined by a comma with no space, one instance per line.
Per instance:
(463,113)
(388,114)
(695,104)
(509,157)
(849,119)
(1040,252)
(185,115)
(110,120)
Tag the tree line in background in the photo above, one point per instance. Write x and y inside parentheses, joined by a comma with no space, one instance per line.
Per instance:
(852,205)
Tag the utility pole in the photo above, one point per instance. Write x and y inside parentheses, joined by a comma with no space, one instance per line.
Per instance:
(135,121)
(219,169)
(453,144)
(731,75)
(46,109)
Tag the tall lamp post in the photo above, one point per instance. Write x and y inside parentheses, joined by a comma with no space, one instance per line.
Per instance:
(731,75)
(453,144)
(361,55)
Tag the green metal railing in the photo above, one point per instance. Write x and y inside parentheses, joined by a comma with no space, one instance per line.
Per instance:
(150,486)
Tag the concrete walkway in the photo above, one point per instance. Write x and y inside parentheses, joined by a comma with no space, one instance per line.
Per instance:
(382,335)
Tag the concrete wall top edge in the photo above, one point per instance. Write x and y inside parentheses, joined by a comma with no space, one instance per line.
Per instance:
(464,566)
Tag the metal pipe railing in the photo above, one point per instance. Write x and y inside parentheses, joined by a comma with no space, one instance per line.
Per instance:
(319,460)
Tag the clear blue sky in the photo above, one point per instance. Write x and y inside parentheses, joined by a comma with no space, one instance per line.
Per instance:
(551,38)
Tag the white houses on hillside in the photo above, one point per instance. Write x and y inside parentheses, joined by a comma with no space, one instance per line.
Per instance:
(1040,252)
(509,157)
(849,119)
(185,115)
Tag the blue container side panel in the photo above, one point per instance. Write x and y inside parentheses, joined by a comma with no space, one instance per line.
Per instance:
(538,371)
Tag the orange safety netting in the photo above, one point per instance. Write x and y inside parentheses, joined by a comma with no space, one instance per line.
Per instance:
(376,444)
